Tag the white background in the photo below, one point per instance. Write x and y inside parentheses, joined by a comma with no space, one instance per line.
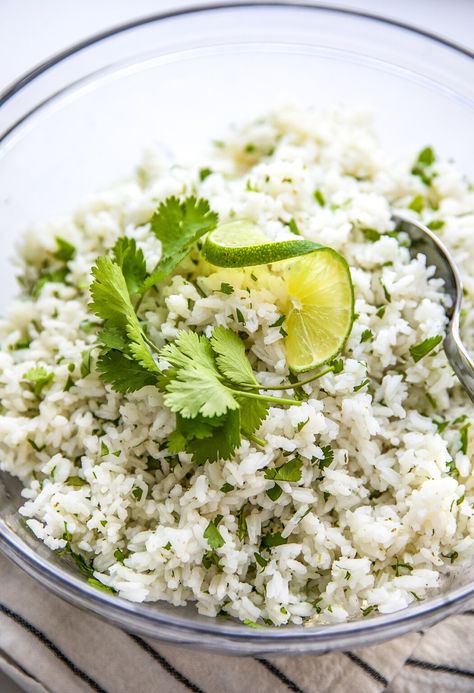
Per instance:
(32,30)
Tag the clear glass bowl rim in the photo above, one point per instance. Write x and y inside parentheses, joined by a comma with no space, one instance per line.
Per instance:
(140,618)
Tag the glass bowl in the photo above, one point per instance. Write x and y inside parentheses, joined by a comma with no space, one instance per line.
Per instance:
(80,121)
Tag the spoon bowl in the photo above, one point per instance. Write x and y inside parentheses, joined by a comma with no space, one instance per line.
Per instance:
(424,241)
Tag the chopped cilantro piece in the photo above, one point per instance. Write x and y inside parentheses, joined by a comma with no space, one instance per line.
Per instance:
(451,468)
(302,424)
(209,559)
(38,377)
(226,288)
(104,450)
(69,384)
(279,322)
(137,492)
(328,453)
(262,562)
(293,226)
(274,492)
(337,366)
(426,157)
(213,536)
(367,611)
(290,471)
(464,434)
(204,173)
(85,362)
(381,311)
(419,351)
(119,555)
(251,624)
(441,425)
(100,585)
(226,488)
(270,540)
(21,344)
(417,204)
(362,384)
(386,293)
(35,446)
(152,464)
(65,250)
(371,235)
(367,336)
(242,523)
(240,317)
(436,224)
(76,481)
(319,197)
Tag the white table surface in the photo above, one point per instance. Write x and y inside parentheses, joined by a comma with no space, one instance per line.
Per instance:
(31,30)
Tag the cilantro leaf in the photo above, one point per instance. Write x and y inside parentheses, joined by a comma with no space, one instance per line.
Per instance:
(225,440)
(213,536)
(290,471)
(206,439)
(132,263)
(111,302)
(196,391)
(419,351)
(122,373)
(252,414)
(178,225)
(189,349)
(231,357)
(109,291)
(113,338)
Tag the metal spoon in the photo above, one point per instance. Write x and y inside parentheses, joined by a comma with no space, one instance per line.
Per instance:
(426,242)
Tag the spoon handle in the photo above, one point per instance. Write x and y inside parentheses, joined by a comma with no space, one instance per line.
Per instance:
(460,360)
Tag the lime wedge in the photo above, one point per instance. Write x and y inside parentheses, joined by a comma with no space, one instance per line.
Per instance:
(319,303)
(320,309)
(242,244)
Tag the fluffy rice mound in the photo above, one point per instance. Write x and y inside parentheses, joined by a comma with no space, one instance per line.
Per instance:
(370,529)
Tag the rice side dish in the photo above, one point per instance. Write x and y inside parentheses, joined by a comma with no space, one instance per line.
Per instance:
(357,500)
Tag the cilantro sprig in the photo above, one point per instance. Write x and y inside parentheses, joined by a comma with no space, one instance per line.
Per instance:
(207,382)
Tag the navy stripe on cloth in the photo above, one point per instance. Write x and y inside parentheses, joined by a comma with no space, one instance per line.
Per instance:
(52,648)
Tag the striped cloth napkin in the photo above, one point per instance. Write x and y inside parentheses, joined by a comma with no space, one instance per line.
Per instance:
(48,646)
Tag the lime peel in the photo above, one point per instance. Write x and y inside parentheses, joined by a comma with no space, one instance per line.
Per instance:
(320,296)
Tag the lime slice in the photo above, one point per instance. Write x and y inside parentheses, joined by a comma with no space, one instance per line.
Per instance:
(320,309)
(242,244)
(319,303)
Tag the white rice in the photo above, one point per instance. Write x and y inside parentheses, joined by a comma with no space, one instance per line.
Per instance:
(391,495)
